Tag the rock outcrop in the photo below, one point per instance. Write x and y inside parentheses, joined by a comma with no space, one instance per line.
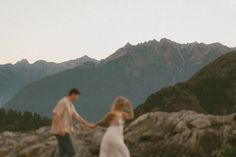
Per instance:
(157,134)
(181,134)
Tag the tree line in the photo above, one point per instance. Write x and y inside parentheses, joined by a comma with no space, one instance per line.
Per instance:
(11,120)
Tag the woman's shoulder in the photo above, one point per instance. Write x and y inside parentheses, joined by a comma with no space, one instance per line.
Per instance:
(116,113)
(112,113)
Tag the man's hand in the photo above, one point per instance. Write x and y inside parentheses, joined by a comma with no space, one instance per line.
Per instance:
(77,117)
(62,132)
(91,126)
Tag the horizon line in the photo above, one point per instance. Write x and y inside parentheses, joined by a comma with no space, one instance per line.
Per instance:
(182,43)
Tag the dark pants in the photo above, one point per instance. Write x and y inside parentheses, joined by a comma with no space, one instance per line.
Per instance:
(66,148)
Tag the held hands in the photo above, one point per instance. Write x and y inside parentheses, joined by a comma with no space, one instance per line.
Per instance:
(91,126)
(84,122)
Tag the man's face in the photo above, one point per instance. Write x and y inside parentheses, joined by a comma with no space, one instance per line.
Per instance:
(75,97)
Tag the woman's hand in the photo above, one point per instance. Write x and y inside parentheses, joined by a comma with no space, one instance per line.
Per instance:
(91,126)
(129,105)
(129,114)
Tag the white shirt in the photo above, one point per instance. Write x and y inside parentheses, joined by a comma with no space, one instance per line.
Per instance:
(65,109)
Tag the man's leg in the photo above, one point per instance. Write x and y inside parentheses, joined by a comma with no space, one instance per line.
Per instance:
(60,141)
(66,145)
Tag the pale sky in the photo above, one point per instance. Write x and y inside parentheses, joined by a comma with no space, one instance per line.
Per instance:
(59,30)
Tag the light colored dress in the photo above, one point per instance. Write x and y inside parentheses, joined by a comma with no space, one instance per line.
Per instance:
(113,142)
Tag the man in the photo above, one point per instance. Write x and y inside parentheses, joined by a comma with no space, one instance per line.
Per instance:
(62,124)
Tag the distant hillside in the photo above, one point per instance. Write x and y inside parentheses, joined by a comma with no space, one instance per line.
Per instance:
(14,77)
(11,120)
(134,71)
(212,90)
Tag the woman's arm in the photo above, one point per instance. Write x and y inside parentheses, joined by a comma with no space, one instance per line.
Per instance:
(107,119)
(130,113)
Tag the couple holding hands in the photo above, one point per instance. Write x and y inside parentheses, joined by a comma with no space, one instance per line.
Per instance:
(113,140)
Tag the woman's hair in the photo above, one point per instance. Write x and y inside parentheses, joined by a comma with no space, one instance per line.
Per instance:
(119,103)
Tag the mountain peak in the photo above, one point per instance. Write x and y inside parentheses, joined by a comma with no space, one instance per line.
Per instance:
(79,61)
(40,62)
(22,62)
(85,57)
(217,44)
(165,40)
(120,52)
(153,41)
(128,45)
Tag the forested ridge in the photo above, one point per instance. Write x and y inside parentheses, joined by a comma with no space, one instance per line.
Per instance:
(11,120)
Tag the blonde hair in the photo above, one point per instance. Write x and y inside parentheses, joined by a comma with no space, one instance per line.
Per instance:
(119,103)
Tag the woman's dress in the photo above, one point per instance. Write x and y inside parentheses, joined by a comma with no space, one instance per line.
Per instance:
(113,142)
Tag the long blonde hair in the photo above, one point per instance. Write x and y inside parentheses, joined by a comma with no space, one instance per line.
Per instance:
(119,103)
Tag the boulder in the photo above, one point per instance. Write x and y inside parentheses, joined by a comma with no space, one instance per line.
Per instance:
(157,134)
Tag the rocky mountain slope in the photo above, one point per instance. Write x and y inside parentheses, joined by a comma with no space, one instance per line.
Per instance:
(134,71)
(159,134)
(14,76)
(211,90)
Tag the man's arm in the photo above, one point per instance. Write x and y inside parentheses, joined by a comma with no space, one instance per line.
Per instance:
(80,119)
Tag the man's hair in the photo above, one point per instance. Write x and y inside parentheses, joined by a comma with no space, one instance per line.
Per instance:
(74,91)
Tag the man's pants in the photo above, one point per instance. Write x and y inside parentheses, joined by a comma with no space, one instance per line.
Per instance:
(66,148)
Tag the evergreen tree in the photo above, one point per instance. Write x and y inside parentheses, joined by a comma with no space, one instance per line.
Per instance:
(11,120)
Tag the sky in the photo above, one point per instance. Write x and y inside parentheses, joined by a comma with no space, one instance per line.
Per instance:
(60,30)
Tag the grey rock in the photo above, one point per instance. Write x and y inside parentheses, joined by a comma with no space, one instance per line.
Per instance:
(156,134)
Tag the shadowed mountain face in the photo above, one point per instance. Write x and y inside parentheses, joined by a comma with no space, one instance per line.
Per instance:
(132,71)
(212,90)
(14,77)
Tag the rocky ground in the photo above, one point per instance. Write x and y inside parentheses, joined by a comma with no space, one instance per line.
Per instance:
(157,134)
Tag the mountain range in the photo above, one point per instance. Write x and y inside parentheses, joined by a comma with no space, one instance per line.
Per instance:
(166,134)
(134,71)
(15,76)
(212,90)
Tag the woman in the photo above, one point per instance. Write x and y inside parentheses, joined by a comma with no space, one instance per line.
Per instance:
(113,141)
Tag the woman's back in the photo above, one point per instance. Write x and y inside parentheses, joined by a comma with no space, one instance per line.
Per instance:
(113,140)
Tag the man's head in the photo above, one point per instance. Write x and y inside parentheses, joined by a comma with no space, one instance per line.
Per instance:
(74,94)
